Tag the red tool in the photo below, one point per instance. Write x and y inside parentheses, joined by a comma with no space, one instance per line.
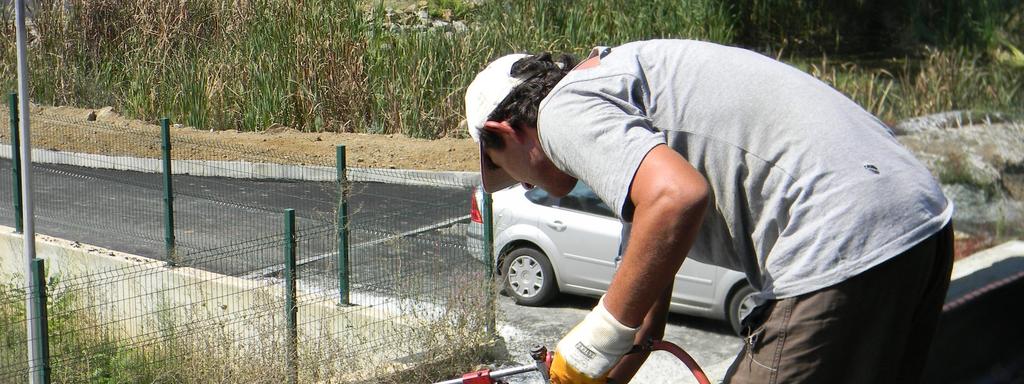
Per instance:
(542,363)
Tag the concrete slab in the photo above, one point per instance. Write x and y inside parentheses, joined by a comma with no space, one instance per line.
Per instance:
(979,333)
(988,258)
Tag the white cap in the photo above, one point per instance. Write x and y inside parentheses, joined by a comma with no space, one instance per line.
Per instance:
(489,88)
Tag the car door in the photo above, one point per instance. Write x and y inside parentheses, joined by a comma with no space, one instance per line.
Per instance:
(587,236)
(694,284)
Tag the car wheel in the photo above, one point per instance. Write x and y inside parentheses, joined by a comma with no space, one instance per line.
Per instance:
(740,304)
(529,278)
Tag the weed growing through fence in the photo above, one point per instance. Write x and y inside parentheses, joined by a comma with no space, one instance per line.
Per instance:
(13,339)
(449,338)
(86,346)
(96,338)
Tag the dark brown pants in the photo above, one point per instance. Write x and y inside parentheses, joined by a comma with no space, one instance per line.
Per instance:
(873,328)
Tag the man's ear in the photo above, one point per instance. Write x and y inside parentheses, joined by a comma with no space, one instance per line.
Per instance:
(499,127)
(502,128)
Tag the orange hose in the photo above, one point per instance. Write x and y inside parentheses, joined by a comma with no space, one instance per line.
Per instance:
(679,353)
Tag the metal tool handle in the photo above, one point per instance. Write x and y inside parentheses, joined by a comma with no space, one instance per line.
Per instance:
(488,376)
(542,362)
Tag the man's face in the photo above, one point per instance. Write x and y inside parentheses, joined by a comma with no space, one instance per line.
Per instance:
(524,160)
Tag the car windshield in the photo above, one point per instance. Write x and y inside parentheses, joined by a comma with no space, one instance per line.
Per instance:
(581,198)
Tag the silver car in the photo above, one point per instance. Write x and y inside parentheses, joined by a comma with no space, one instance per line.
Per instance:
(545,245)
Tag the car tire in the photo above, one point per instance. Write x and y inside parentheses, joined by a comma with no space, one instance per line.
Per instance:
(528,277)
(740,304)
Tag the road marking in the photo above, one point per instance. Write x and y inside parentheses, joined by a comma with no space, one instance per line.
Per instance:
(273,269)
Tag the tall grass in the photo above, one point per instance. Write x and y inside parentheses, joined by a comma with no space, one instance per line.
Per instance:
(312,65)
(955,79)
(324,65)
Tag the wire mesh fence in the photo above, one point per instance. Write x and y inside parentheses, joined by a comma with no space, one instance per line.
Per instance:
(14,332)
(399,283)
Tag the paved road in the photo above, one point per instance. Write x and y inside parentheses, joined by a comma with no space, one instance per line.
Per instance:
(404,238)
(710,342)
(123,210)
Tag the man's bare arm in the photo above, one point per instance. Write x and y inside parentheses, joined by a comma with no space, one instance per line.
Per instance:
(670,198)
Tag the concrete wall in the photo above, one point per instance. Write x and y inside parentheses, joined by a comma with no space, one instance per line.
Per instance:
(142,299)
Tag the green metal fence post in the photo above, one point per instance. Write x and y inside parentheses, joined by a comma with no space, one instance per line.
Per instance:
(290,306)
(42,339)
(343,250)
(16,161)
(488,218)
(169,242)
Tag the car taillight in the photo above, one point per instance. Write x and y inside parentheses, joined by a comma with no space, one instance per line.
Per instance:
(474,210)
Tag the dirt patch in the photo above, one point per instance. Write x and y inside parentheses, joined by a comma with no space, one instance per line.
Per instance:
(106,132)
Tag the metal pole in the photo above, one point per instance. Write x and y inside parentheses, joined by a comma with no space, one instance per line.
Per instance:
(343,251)
(488,213)
(42,343)
(290,307)
(169,242)
(16,162)
(29,230)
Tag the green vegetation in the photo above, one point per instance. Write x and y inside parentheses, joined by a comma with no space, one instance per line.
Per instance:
(92,340)
(340,66)
(941,80)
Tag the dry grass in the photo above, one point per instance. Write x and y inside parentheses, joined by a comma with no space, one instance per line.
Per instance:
(311,65)
(335,66)
(941,80)
(184,344)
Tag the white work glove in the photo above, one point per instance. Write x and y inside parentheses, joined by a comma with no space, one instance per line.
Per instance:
(591,349)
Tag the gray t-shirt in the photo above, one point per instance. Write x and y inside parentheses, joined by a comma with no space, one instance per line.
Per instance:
(807,189)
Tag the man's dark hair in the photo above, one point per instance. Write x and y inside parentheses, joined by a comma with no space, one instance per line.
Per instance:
(540,73)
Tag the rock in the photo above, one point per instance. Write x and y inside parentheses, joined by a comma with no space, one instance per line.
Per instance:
(275,129)
(946,120)
(974,210)
(1013,181)
(440,24)
(979,158)
(459,26)
(985,152)
(106,112)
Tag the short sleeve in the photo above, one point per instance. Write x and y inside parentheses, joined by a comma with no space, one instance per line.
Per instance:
(592,131)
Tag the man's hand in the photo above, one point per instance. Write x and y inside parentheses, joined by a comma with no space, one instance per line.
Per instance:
(591,349)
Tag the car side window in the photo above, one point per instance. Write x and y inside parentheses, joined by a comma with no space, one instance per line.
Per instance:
(541,197)
(581,198)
